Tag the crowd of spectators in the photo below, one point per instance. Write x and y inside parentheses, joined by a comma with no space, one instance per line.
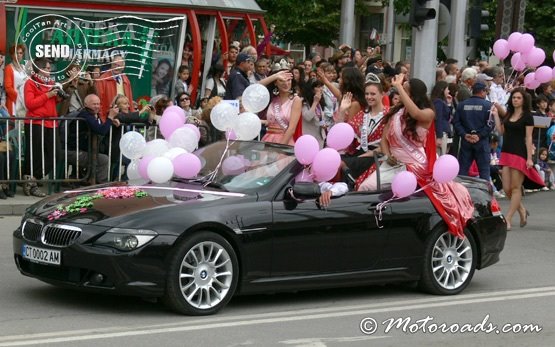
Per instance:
(307,97)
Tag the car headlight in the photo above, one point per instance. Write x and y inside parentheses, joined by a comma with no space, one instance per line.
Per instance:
(125,239)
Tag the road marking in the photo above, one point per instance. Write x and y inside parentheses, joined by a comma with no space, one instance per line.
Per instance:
(321,341)
(277,317)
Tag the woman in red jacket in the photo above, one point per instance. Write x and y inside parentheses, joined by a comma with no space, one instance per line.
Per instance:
(40,100)
(14,77)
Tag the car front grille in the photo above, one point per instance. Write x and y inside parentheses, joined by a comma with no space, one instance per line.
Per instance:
(60,235)
(57,235)
(32,231)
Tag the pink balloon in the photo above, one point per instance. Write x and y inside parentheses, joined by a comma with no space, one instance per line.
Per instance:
(403,184)
(553,75)
(304,176)
(340,136)
(177,110)
(186,165)
(306,148)
(529,78)
(535,57)
(513,40)
(143,166)
(230,135)
(193,128)
(526,43)
(325,164)
(501,49)
(532,84)
(170,122)
(446,168)
(517,62)
(544,74)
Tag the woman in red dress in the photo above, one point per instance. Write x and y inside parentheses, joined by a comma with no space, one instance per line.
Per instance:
(368,126)
(516,152)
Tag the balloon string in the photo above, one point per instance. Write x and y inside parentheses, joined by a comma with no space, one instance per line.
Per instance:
(517,76)
(379,210)
(422,188)
(382,205)
(212,175)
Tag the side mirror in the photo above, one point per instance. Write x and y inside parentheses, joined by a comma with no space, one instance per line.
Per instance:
(306,190)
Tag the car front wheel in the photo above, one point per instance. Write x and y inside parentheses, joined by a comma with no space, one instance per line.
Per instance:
(203,275)
(449,263)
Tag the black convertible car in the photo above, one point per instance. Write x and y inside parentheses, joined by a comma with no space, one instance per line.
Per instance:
(241,228)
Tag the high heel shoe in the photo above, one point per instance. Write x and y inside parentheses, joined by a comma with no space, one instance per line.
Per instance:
(525,221)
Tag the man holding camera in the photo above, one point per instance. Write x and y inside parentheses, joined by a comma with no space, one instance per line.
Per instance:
(41,97)
(76,87)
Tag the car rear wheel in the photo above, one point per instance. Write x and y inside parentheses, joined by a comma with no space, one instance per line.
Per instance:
(203,275)
(449,263)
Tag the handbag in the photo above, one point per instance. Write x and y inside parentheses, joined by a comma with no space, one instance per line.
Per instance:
(4,145)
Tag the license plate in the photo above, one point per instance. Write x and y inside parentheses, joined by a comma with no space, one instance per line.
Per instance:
(41,255)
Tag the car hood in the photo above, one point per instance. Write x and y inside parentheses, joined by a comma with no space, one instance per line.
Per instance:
(101,203)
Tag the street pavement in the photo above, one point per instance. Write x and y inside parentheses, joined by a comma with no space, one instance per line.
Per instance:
(16,206)
(514,294)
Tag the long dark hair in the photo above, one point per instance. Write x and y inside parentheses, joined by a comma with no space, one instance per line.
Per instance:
(308,91)
(273,86)
(418,95)
(526,104)
(352,80)
(216,71)
(438,90)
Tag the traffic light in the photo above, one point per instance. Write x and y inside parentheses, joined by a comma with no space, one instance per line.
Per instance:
(478,21)
(419,13)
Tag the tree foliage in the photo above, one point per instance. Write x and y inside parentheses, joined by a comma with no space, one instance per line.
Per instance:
(309,22)
(538,21)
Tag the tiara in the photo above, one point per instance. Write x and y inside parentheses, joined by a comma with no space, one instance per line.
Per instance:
(282,65)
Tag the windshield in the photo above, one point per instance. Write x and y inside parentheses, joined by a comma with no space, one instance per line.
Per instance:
(245,165)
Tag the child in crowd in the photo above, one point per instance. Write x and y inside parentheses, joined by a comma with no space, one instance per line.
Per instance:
(494,169)
(545,170)
(541,106)
(181,84)
(330,92)
(551,110)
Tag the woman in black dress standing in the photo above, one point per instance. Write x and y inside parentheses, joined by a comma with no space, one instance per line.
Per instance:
(517,151)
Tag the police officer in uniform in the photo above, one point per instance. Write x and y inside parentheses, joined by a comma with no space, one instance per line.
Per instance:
(473,124)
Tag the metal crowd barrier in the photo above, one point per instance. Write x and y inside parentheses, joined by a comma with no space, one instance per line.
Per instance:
(63,171)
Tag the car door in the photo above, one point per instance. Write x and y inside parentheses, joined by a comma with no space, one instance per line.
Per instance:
(408,226)
(308,239)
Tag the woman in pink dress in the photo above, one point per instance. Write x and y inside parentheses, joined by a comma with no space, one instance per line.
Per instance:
(409,138)
(284,113)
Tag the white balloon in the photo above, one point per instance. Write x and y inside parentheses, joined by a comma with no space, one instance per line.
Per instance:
(160,170)
(255,98)
(132,145)
(248,126)
(222,116)
(174,152)
(133,170)
(156,148)
(184,138)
